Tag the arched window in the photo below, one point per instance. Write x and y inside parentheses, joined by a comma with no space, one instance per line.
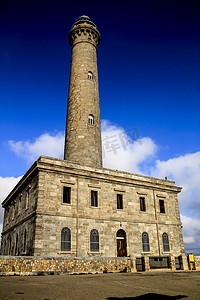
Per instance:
(145,242)
(165,242)
(90,75)
(65,239)
(91,119)
(24,242)
(94,241)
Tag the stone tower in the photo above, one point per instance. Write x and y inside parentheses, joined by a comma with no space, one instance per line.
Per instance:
(83,126)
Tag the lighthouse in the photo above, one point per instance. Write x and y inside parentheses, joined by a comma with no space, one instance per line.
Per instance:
(83,125)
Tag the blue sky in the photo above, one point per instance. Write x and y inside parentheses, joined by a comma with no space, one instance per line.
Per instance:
(149,79)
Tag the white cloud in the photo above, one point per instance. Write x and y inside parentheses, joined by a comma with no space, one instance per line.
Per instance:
(185,170)
(125,151)
(46,144)
(191,234)
(6,185)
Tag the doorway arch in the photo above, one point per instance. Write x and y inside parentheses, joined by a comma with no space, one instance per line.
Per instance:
(121,243)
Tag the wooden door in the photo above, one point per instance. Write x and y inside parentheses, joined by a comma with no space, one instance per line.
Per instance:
(121,243)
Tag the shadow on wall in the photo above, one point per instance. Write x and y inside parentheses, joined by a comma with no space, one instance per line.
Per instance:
(149,296)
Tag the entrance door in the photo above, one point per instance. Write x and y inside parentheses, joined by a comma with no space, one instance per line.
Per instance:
(121,243)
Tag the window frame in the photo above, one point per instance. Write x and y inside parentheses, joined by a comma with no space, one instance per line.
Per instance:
(162,206)
(165,240)
(94,198)
(66,194)
(145,242)
(94,245)
(142,204)
(20,204)
(24,241)
(65,243)
(119,201)
(28,194)
(17,245)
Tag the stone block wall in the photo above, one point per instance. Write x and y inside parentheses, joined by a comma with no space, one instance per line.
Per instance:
(31,266)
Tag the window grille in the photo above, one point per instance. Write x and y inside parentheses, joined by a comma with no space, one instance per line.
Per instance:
(119,201)
(165,242)
(142,204)
(94,198)
(145,242)
(65,239)
(94,241)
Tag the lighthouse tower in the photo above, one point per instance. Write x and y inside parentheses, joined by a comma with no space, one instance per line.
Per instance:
(83,126)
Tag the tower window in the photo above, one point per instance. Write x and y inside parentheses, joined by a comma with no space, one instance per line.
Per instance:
(142,204)
(119,201)
(91,119)
(94,198)
(66,194)
(90,75)
(162,206)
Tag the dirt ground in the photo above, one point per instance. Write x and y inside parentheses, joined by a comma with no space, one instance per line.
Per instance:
(149,285)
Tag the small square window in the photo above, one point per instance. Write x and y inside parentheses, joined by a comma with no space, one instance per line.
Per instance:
(94,198)
(119,201)
(142,204)
(66,194)
(162,206)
